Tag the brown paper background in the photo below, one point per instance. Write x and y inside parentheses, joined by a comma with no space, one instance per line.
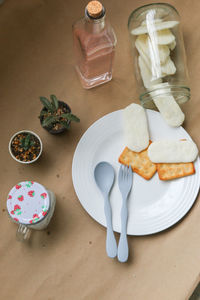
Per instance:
(68,260)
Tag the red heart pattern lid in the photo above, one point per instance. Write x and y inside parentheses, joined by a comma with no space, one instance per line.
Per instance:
(28,202)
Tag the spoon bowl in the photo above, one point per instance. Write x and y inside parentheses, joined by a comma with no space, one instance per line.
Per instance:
(104,175)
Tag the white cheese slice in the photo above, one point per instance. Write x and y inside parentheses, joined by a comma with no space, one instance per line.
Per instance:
(163,53)
(151,26)
(135,127)
(172,45)
(146,74)
(168,68)
(141,44)
(171,151)
(159,53)
(164,37)
(158,57)
(154,56)
(151,21)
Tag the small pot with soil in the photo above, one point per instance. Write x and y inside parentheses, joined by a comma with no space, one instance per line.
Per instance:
(25,147)
(56,115)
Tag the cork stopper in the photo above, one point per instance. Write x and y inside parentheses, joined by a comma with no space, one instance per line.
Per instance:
(94,9)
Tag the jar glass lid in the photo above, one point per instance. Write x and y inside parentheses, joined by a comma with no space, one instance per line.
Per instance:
(28,202)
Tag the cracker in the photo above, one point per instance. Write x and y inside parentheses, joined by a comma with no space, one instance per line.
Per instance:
(139,161)
(175,170)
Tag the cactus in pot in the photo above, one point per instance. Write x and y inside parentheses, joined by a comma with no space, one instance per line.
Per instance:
(56,115)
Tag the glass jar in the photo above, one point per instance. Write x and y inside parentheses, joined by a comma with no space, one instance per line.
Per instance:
(31,206)
(159,54)
(94,46)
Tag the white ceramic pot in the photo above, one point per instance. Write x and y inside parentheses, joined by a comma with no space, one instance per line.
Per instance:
(32,133)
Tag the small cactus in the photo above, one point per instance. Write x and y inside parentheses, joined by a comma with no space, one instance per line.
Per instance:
(52,115)
(26,142)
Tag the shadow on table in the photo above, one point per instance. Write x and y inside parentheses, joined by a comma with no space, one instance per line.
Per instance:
(53,234)
(196,293)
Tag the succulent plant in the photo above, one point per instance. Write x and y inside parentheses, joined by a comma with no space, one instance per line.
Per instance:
(26,142)
(25,146)
(53,115)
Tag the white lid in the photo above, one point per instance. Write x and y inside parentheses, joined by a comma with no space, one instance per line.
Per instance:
(28,202)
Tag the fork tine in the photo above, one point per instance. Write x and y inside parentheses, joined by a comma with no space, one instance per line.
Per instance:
(120,173)
(130,170)
(130,173)
(126,173)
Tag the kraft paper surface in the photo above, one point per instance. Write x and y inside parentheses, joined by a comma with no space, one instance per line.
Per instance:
(68,259)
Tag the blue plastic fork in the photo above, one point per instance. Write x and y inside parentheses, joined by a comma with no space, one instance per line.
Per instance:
(125,180)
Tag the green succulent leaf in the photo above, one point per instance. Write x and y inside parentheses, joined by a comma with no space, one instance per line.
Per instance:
(47,104)
(27,142)
(49,121)
(54,101)
(65,124)
(22,142)
(70,117)
(32,143)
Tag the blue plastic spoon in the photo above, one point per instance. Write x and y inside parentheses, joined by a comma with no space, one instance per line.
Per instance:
(104,176)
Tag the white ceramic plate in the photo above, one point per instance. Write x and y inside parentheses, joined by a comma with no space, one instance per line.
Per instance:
(153,205)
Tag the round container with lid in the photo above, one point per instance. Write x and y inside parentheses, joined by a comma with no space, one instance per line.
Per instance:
(31,206)
(159,53)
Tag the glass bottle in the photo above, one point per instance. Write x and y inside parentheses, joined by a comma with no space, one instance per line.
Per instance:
(159,54)
(94,46)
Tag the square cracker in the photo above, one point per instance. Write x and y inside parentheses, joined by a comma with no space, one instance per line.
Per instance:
(173,171)
(139,161)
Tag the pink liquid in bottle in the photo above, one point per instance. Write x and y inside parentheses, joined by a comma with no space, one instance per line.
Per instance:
(94,46)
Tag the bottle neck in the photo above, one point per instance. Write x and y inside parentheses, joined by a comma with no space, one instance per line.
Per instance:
(96,25)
